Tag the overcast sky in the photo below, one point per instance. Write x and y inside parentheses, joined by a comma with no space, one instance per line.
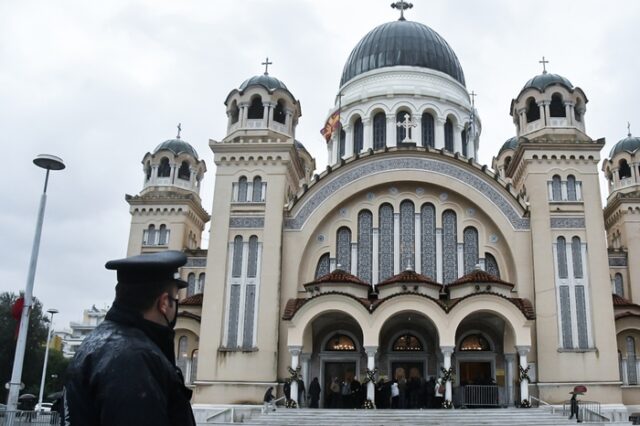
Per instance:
(101,83)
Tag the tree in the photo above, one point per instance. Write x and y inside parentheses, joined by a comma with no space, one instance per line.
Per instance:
(34,352)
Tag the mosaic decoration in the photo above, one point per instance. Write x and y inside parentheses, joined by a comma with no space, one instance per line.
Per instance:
(253,257)
(444,196)
(471,212)
(246,222)
(370,196)
(196,262)
(576,254)
(343,212)
(385,250)
(419,191)
(428,239)
(323,266)
(471,256)
(491,265)
(236,270)
(365,245)
(493,238)
(617,261)
(393,190)
(449,247)
(581,316)
(320,238)
(562,257)
(567,222)
(343,249)
(452,171)
(407,234)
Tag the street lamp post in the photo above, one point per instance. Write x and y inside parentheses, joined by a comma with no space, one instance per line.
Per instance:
(48,162)
(46,357)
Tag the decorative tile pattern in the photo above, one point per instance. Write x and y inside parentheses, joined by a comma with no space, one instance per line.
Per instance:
(471,257)
(576,254)
(493,238)
(562,257)
(365,245)
(567,222)
(453,171)
(449,246)
(428,239)
(385,250)
(196,262)
(491,265)
(323,265)
(343,212)
(253,257)
(471,212)
(618,261)
(407,234)
(236,270)
(419,192)
(393,190)
(371,196)
(343,249)
(581,314)
(444,196)
(246,222)
(320,238)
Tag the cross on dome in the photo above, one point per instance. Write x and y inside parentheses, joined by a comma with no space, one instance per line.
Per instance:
(544,63)
(402,5)
(406,124)
(628,129)
(473,95)
(266,64)
(179,130)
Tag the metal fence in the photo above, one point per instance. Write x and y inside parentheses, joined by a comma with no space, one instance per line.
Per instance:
(28,418)
(480,396)
(588,410)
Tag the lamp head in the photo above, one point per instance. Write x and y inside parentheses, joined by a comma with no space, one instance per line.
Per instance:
(49,162)
(52,311)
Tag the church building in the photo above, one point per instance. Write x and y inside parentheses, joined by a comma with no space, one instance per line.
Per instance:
(405,257)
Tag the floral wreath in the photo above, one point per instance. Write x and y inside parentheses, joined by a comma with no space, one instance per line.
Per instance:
(371,375)
(525,403)
(447,374)
(524,373)
(295,373)
(447,404)
(368,405)
(291,404)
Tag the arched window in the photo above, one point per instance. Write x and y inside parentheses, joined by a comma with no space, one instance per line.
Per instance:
(407,235)
(428,239)
(578,110)
(257,189)
(151,236)
(556,188)
(428,130)
(618,285)
(191,288)
(237,257)
(163,235)
(343,248)
(557,109)
(341,143)
(407,343)
(184,172)
(379,130)
(474,343)
(365,245)
(194,366)
(491,265)
(471,256)
(201,283)
(571,188)
(279,114)
(632,372)
(562,257)
(256,109)
(358,136)
(465,149)
(322,268)
(449,246)
(625,170)
(234,112)
(181,363)
(533,111)
(448,135)
(164,169)
(340,343)
(147,170)
(576,252)
(253,257)
(242,189)
(385,251)
(401,132)
(507,162)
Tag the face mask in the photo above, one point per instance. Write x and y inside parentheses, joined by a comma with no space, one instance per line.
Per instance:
(171,324)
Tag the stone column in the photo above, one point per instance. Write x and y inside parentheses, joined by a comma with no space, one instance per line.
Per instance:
(439,132)
(367,134)
(542,112)
(544,105)
(266,115)
(568,111)
(447,351)
(354,259)
(524,384)
(457,138)
(439,254)
(374,260)
(396,244)
(305,358)
(295,358)
(510,361)
(244,109)
(348,133)
(289,120)
(330,152)
(522,114)
(172,175)
(371,364)
(416,132)
(391,130)
(417,263)
(461,270)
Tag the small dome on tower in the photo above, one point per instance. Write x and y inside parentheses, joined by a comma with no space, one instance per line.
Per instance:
(544,80)
(629,144)
(177,146)
(511,143)
(265,80)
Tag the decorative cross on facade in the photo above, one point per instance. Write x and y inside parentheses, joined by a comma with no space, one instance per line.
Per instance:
(406,124)
(266,64)
(544,63)
(402,5)
(473,95)
(179,130)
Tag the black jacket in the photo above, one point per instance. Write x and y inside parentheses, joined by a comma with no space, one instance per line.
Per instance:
(124,374)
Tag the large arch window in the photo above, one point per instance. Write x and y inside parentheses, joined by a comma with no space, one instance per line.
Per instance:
(340,343)
(322,268)
(181,362)
(242,189)
(342,143)
(407,234)
(164,169)
(428,130)
(571,188)
(449,246)
(576,252)
(533,111)
(428,239)
(474,343)
(279,114)
(149,236)
(184,172)
(163,235)
(632,372)
(556,108)
(256,109)
(448,135)
(618,287)
(491,265)
(385,252)
(257,189)
(556,188)
(379,130)
(191,288)
(194,366)
(471,256)
(401,132)
(358,136)
(365,245)
(624,171)
(407,343)
(201,278)
(343,248)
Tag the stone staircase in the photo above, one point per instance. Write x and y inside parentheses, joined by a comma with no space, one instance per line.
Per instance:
(458,417)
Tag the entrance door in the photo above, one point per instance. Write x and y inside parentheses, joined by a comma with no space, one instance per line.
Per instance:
(407,368)
(475,373)
(336,372)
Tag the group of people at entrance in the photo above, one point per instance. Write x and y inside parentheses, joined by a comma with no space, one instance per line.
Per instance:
(348,393)
(413,392)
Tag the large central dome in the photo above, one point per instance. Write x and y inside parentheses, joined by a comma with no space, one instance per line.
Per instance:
(402,43)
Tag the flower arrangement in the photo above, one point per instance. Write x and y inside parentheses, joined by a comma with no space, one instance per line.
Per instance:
(368,405)
(524,374)
(371,375)
(295,374)
(291,404)
(525,404)
(447,404)
(447,374)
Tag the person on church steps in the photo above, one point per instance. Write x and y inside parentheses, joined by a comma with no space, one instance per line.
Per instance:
(124,373)
(314,393)
(575,409)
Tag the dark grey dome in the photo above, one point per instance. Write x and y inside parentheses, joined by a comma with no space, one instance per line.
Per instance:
(402,43)
(177,146)
(629,144)
(545,80)
(264,80)
(511,143)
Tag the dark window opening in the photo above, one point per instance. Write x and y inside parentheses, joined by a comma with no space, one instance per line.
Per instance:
(533,111)
(256,109)
(164,170)
(428,130)
(234,113)
(625,170)
(465,148)
(557,109)
(147,170)
(183,172)
(278,113)
(358,136)
(341,143)
(448,135)
(379,130)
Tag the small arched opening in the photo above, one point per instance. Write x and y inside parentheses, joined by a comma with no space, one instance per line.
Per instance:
(556,108)
(379,131)
(256,109)
(448,135)
(184,172)
(533,111)
(624,171)
(358,136)
(164,169)
(428,130)
(279,114)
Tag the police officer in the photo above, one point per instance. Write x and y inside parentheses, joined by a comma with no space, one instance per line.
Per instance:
(124,372)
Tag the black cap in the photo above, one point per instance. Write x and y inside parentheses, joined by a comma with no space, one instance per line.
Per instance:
(150,268)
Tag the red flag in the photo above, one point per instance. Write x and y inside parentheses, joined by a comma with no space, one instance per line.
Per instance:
(16,313)
(331,125)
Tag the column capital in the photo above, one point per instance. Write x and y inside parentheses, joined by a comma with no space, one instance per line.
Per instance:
(366,120)
(569,103)
(441,120)
(510,357)
(523,350)
(371,350)
(447,350)
(295,350)
(243,104)
(305,356)
(346,127)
